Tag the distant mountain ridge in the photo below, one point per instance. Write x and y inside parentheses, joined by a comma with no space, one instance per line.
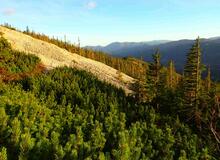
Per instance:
(117,46)
(175,50)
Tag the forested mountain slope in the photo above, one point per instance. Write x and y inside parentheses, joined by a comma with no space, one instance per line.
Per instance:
(53,56)
(175,50)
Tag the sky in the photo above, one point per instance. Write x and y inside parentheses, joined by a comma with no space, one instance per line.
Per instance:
(100,22)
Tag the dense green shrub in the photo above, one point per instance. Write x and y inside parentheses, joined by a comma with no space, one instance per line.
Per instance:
(69,114)
(15,62)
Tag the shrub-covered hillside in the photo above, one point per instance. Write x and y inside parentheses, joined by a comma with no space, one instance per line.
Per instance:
(70,114)
(13,61)
(16,65)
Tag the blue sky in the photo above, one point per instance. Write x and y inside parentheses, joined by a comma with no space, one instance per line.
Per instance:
(99,22)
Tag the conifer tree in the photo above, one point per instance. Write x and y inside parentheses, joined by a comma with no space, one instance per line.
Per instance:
(119,73)
(153,75)
(79,47)
(141,85)
(3,154)
(27,29)
(3,121)
(208,80)
(156,66)
(192,84)
(26,144)
(16,131)
(192,75)
(171,78)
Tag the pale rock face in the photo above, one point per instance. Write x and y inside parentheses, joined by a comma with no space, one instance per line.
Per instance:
(53,56)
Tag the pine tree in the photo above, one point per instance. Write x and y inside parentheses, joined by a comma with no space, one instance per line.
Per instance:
(3,121)
(141,89)
(119,73)
(171,78)
(156,66)
(192,75)
(208,80)
(16,131)
(192,83)
(3,154)
(124,150)
(79,47)
(153,76)
(27,30)
(183,155)
(26,144)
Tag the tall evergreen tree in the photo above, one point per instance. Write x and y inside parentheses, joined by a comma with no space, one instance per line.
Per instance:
(27,29)
(171,78)
(192,83)
(192,75)
(153,75)
(156,66)
(78,47)
(141,89)
(208,80)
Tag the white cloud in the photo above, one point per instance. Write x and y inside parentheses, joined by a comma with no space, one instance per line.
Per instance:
(91,5)
(8,11)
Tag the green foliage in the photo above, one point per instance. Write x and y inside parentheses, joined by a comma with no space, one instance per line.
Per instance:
(153,76)
(13,61)
(192,75)
(3,154)
(69,114)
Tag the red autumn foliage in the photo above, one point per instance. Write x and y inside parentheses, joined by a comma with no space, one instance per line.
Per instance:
(7,77)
